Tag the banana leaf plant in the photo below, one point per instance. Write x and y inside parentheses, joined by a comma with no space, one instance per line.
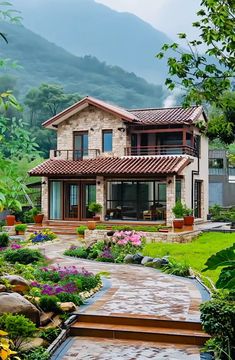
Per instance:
(226,260)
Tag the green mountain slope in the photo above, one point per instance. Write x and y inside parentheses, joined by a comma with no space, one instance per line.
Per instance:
(85,27)
(42,61)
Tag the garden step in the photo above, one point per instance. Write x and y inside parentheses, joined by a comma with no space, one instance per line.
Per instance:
(46,318)
(144,329)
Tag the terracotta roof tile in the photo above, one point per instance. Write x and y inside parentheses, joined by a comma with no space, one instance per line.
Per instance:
(146,165)
(165,116)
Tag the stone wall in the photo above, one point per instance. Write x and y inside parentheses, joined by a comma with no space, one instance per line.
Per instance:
(93,120)
(170,196)
(44,198)
(151,237)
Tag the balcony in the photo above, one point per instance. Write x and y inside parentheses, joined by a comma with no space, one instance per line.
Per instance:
(74,154)
(161,150)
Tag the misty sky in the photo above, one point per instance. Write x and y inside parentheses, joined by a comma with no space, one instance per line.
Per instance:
(169,16)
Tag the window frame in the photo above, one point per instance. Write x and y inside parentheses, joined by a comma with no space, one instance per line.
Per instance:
(104,132)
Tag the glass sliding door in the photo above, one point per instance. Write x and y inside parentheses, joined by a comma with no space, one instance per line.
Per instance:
(89,194)
(71,201)
(56,200)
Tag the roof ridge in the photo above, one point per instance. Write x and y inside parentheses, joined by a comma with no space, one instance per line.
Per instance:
(165,108)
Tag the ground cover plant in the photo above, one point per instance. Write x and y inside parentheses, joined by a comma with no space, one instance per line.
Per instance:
(194,253)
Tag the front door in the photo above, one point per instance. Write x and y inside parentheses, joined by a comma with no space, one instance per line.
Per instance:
(77,198)
(71,201)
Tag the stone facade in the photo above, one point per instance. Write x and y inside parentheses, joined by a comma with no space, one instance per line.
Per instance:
(45,199)
(94,121)
(170,197)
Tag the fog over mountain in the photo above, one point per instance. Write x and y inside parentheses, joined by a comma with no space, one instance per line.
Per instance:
(85,27)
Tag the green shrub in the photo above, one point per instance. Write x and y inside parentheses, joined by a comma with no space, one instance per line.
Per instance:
(4,240)
(38,353)
(96,249)
(122,228)
(89,282)
(178,209)
(79,252)
(49,334)
(20,227)
(144,228)
(18,327)
(105,259)
(218,320)
(81,229)
(175,268)
(23,256)
(49,303)
(67,297)
(95,208)
(101,227)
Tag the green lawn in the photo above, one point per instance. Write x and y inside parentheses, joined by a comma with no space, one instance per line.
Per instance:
(194,253)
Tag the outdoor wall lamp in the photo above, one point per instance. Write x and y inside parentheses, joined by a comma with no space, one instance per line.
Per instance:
(122,129)
(98,182)
(92,129)
(169,182)
(43,183)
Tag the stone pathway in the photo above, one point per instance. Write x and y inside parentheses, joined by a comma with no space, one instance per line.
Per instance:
(134,290)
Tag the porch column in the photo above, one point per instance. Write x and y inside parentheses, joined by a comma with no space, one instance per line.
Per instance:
(170,196)
(101,194)
(44,197)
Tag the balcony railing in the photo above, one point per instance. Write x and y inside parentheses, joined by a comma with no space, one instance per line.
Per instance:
(160,150)
(74,154)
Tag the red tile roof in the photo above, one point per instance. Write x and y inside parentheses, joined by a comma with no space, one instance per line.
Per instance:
(161,116)
(88,100)
(147,165)
(166,116)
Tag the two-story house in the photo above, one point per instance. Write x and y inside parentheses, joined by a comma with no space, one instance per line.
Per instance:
(136,163)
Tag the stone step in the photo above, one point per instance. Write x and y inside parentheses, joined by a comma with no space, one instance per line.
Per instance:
(143,329)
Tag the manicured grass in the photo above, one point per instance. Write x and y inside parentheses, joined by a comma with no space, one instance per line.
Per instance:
(194,253)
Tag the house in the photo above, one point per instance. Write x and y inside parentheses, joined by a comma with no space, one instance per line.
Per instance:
(136,163)
(221,179)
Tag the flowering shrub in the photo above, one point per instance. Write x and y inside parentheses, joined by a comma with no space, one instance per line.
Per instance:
(15,246)
(126,242)
(42,235)
(55,289)
(106,255)
(132,238)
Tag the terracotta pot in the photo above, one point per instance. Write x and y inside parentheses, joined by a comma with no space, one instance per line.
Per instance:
(91,225)
(178,223)
(20,232)
(38,218)
(10,220)
(189,220)
(96,218)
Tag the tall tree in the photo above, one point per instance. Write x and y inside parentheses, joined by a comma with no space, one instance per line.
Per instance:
(205,78)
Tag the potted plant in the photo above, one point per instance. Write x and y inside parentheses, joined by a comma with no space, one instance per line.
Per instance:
(81,230)
(188,216)
(37,215)
(95,208)
(20,229)
(178,211)
(9,204)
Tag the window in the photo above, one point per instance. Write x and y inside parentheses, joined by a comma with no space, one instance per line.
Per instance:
(178,190)
(80,144)
(56,189)
(216,163)
(107,140)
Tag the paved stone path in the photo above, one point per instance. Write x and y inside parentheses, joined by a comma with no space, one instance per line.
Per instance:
(134,290)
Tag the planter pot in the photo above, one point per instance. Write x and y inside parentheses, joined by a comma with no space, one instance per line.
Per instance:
(10,220)
(91,225)
(178,223)
(188,220)
(38,218)
(20,232)
(96,218)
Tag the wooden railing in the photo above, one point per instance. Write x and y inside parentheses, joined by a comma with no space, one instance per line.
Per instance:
(160,150)
(78,154)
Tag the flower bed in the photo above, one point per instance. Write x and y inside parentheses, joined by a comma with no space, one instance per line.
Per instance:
(122,243)
(41,236)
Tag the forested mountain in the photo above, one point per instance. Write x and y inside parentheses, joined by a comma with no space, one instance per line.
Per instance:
(41,61)
(85,27)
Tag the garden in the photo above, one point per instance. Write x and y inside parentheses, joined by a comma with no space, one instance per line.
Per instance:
(36,297)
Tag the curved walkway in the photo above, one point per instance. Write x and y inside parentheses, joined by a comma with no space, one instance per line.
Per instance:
(134,291)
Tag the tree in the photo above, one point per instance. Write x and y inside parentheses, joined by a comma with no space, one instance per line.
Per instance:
(205,78)
(7,98)
(46,101)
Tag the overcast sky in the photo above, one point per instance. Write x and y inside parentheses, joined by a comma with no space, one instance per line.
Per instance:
(169,16)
